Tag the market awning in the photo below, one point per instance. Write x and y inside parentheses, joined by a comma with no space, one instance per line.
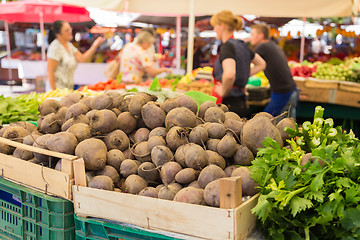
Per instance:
(265,8)
(31,11)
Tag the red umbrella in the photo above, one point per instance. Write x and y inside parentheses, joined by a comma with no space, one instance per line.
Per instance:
(31,11)
(39,11)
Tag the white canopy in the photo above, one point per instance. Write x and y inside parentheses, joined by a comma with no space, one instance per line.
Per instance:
(265,8)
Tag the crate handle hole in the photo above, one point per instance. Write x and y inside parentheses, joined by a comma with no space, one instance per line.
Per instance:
(9,228)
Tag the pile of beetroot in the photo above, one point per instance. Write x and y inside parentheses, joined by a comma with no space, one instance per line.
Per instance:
(130,143)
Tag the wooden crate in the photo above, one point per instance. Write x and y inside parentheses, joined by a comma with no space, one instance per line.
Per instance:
(317,95)
(349,86)
(299,79)
(230,221)
(347,98)
(321,84)
(38,177)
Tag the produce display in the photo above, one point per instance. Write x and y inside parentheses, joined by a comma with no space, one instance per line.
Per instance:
(108,85)
(334,69)
(21,108)
(63,92)
(310,189)
(173,82)
(176,150)
(300,70)
(332,72)
(25,106)
(26,55)
(204,86)
(171,150)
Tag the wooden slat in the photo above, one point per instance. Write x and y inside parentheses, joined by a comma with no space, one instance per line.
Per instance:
(350,86)
(67,167)
(79,172)
(319,83)
(314,95)
(194,220)
(245,221)
(37,150)
(346,98)
(230,192)
(29,174)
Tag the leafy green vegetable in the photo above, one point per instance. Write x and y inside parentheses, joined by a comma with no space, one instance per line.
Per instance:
(21,108)
(155,85)
(310,201)
(133,90)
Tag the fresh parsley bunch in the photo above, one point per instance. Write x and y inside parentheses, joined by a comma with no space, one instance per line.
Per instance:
(310,201)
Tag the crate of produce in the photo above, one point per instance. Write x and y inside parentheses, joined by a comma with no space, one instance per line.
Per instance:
(29,214)
(258,93)
(233,220)
(321,84)
(37,176)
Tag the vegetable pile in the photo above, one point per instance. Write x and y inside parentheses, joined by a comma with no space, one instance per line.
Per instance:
(111,84)
(334,69)
(310,189)
(21,108)
(131,143)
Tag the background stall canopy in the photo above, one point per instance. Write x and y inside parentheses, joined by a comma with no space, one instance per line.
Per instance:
(31,11)
(264,8)
(274,8)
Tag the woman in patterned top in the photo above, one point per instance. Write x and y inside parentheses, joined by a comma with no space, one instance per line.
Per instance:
(135,61)
(63,56)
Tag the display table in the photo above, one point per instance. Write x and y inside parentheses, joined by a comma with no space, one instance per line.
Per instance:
(85,73)
(12,64)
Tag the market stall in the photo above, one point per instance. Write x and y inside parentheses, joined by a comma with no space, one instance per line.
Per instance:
(129,194)
(38,11)
(161,160)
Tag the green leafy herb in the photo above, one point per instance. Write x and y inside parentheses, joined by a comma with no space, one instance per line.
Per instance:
(21,108)
(312,201)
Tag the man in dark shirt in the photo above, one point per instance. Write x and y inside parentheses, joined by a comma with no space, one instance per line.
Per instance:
(284,92)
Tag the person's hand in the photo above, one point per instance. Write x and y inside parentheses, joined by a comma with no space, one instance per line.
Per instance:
(167,70)
(98,41)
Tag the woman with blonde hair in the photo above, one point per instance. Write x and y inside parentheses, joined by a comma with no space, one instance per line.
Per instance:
(232,68)
(135,61)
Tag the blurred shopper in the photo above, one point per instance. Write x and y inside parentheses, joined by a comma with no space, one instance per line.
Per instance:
(135,61)
(151,50)
(284,94)
(63,56)
(198,53)
(232,68)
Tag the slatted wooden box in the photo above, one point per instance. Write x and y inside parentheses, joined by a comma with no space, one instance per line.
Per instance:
(38,177)
(230,221)
(321,84)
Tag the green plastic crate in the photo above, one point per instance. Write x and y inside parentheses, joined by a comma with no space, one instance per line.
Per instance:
(96,229)
(31,215)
